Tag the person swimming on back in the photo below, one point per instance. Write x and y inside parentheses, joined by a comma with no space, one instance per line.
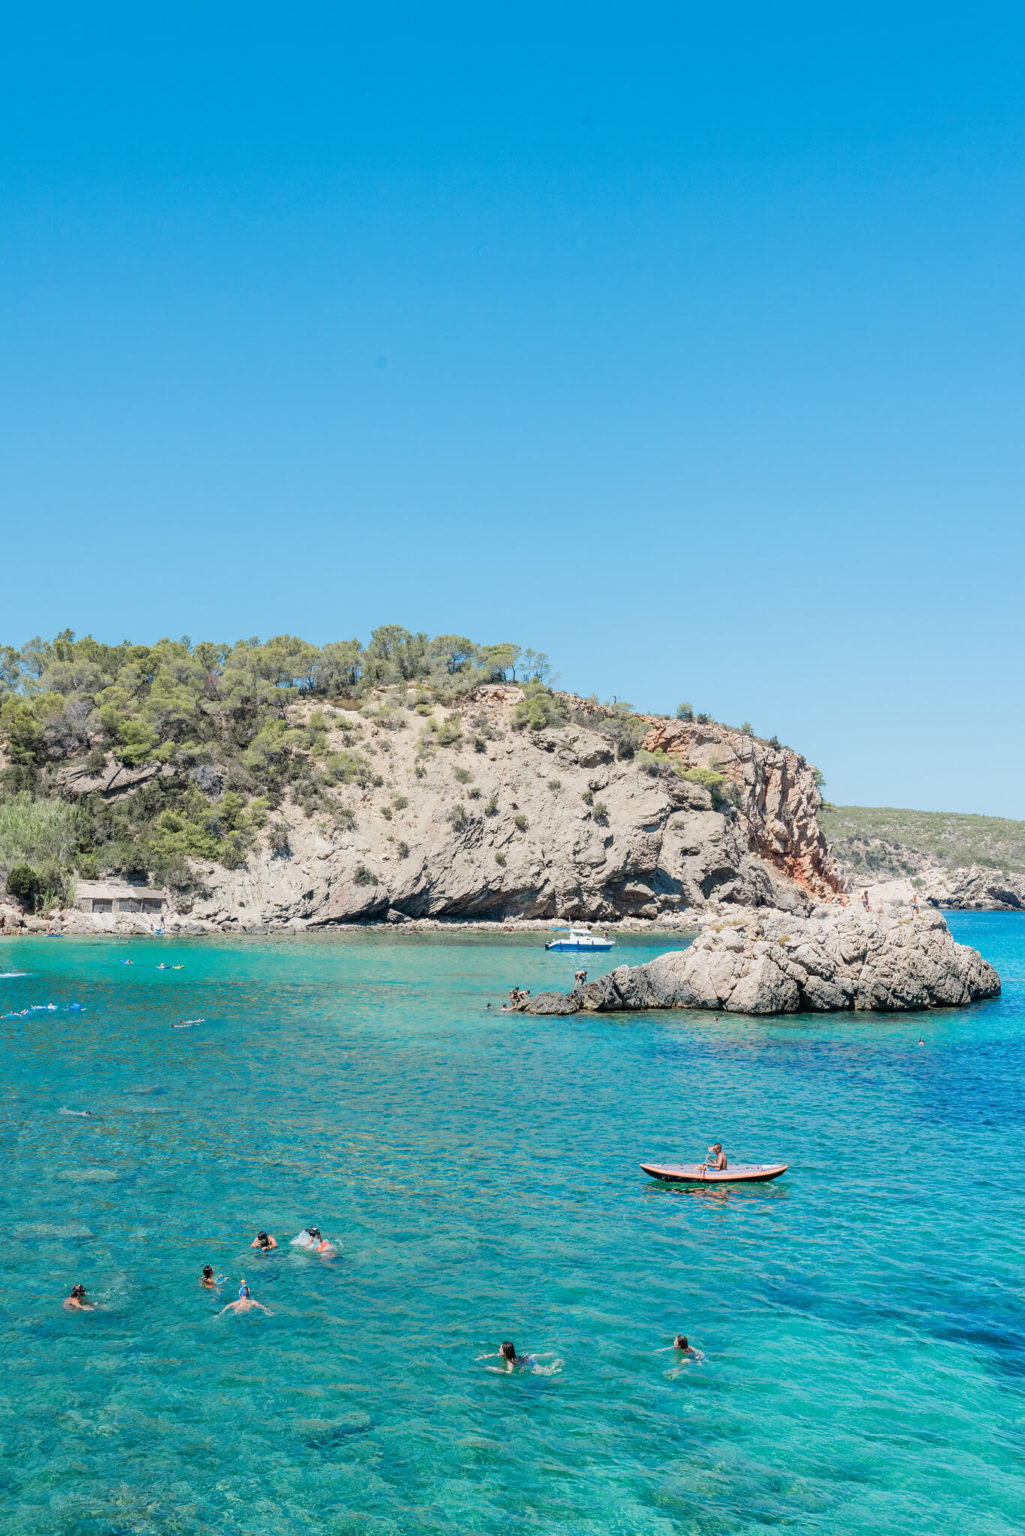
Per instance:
(715,1158)
(511,1361)
(264,1240)
(75,1300)
(244,1304)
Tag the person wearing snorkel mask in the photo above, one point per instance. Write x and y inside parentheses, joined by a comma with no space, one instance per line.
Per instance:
(264,1241)
(244,1304)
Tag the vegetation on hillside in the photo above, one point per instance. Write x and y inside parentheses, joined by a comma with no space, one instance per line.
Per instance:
(887,843)
(206,738)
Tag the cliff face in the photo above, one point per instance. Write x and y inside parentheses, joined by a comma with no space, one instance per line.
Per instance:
(502,823)
(779,796)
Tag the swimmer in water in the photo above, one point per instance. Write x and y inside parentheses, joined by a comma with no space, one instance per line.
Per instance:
(162,966)
(75,1300)
(244,1304)
(209,1280)
(683,1351)
(511,1361)
(321,1245)
(126,962)
(80,1114)
(264,1240)
(177,967)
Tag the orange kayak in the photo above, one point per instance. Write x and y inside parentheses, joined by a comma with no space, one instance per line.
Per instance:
(694,1173)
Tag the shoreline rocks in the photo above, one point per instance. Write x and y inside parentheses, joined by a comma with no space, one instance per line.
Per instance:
(772,963)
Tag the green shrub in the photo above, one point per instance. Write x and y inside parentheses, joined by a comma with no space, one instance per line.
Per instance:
(463,776)
(348,767)
(539,710)
(588,797)
(601,813)
(685,712)
(474,793)
(400,802)
(458,818)
(277,840)
(521,822)
(361,875)
(24,885)
(491,809)
(500,858)
(403,850)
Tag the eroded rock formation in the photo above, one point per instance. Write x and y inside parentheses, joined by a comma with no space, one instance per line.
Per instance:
(833,960)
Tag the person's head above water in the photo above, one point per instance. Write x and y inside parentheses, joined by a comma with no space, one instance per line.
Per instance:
(507,1350)
(261,1237)
(243,1291)
(77,1290)
(680,1342)
(208,1271)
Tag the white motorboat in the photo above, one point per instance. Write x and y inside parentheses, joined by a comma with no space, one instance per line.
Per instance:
(578,938)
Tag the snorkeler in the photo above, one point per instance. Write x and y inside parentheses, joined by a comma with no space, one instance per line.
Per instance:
(264,1240)
(245,1303)
(321,1245)
(511,1361)
(715,1158)
(80,1114)
(75,1300)
(209,1279)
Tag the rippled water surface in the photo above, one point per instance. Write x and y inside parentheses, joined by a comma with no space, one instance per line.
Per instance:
(863,1319)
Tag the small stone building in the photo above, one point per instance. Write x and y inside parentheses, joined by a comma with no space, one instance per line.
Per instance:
(110,897)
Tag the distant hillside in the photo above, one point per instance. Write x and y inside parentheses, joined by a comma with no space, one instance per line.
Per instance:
(885,843)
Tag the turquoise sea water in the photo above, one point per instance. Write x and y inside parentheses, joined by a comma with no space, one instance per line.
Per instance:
(863,1319)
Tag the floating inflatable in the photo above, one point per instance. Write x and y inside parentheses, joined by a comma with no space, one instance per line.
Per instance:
(696,1173)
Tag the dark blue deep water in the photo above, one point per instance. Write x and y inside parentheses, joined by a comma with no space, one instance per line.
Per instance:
(863,1319)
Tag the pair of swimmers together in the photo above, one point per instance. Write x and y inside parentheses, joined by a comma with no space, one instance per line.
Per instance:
(511,1361)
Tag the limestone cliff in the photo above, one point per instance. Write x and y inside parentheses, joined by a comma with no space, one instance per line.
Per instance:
(465,812)
(471,818)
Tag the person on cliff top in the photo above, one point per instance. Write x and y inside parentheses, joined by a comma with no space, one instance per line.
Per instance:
(864,901)
(716,1158)
(913,903)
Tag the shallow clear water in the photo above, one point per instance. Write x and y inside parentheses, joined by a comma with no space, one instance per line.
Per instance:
(863,1319)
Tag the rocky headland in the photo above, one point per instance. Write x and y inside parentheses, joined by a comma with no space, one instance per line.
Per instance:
(461,814)
(835,959)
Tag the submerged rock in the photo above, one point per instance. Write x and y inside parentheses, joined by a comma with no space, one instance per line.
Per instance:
(39,1232)
(773,962)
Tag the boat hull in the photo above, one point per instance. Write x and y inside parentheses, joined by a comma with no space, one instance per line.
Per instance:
(693,1173)
(559,945)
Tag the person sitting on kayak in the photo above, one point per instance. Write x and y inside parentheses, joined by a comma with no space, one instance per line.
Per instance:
(716,1158)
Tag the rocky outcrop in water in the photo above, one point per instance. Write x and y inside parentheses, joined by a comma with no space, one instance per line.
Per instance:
(836,959)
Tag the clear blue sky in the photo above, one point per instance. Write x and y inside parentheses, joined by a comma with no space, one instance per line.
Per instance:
(682,342)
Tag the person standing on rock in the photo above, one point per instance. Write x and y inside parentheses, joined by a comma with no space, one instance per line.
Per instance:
(913,903)
(864,901)
(579,977)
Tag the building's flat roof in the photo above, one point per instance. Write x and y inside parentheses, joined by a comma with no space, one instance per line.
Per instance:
(103,890)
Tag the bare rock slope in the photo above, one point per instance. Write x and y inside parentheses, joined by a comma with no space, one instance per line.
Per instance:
(467,817)
(834,960)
